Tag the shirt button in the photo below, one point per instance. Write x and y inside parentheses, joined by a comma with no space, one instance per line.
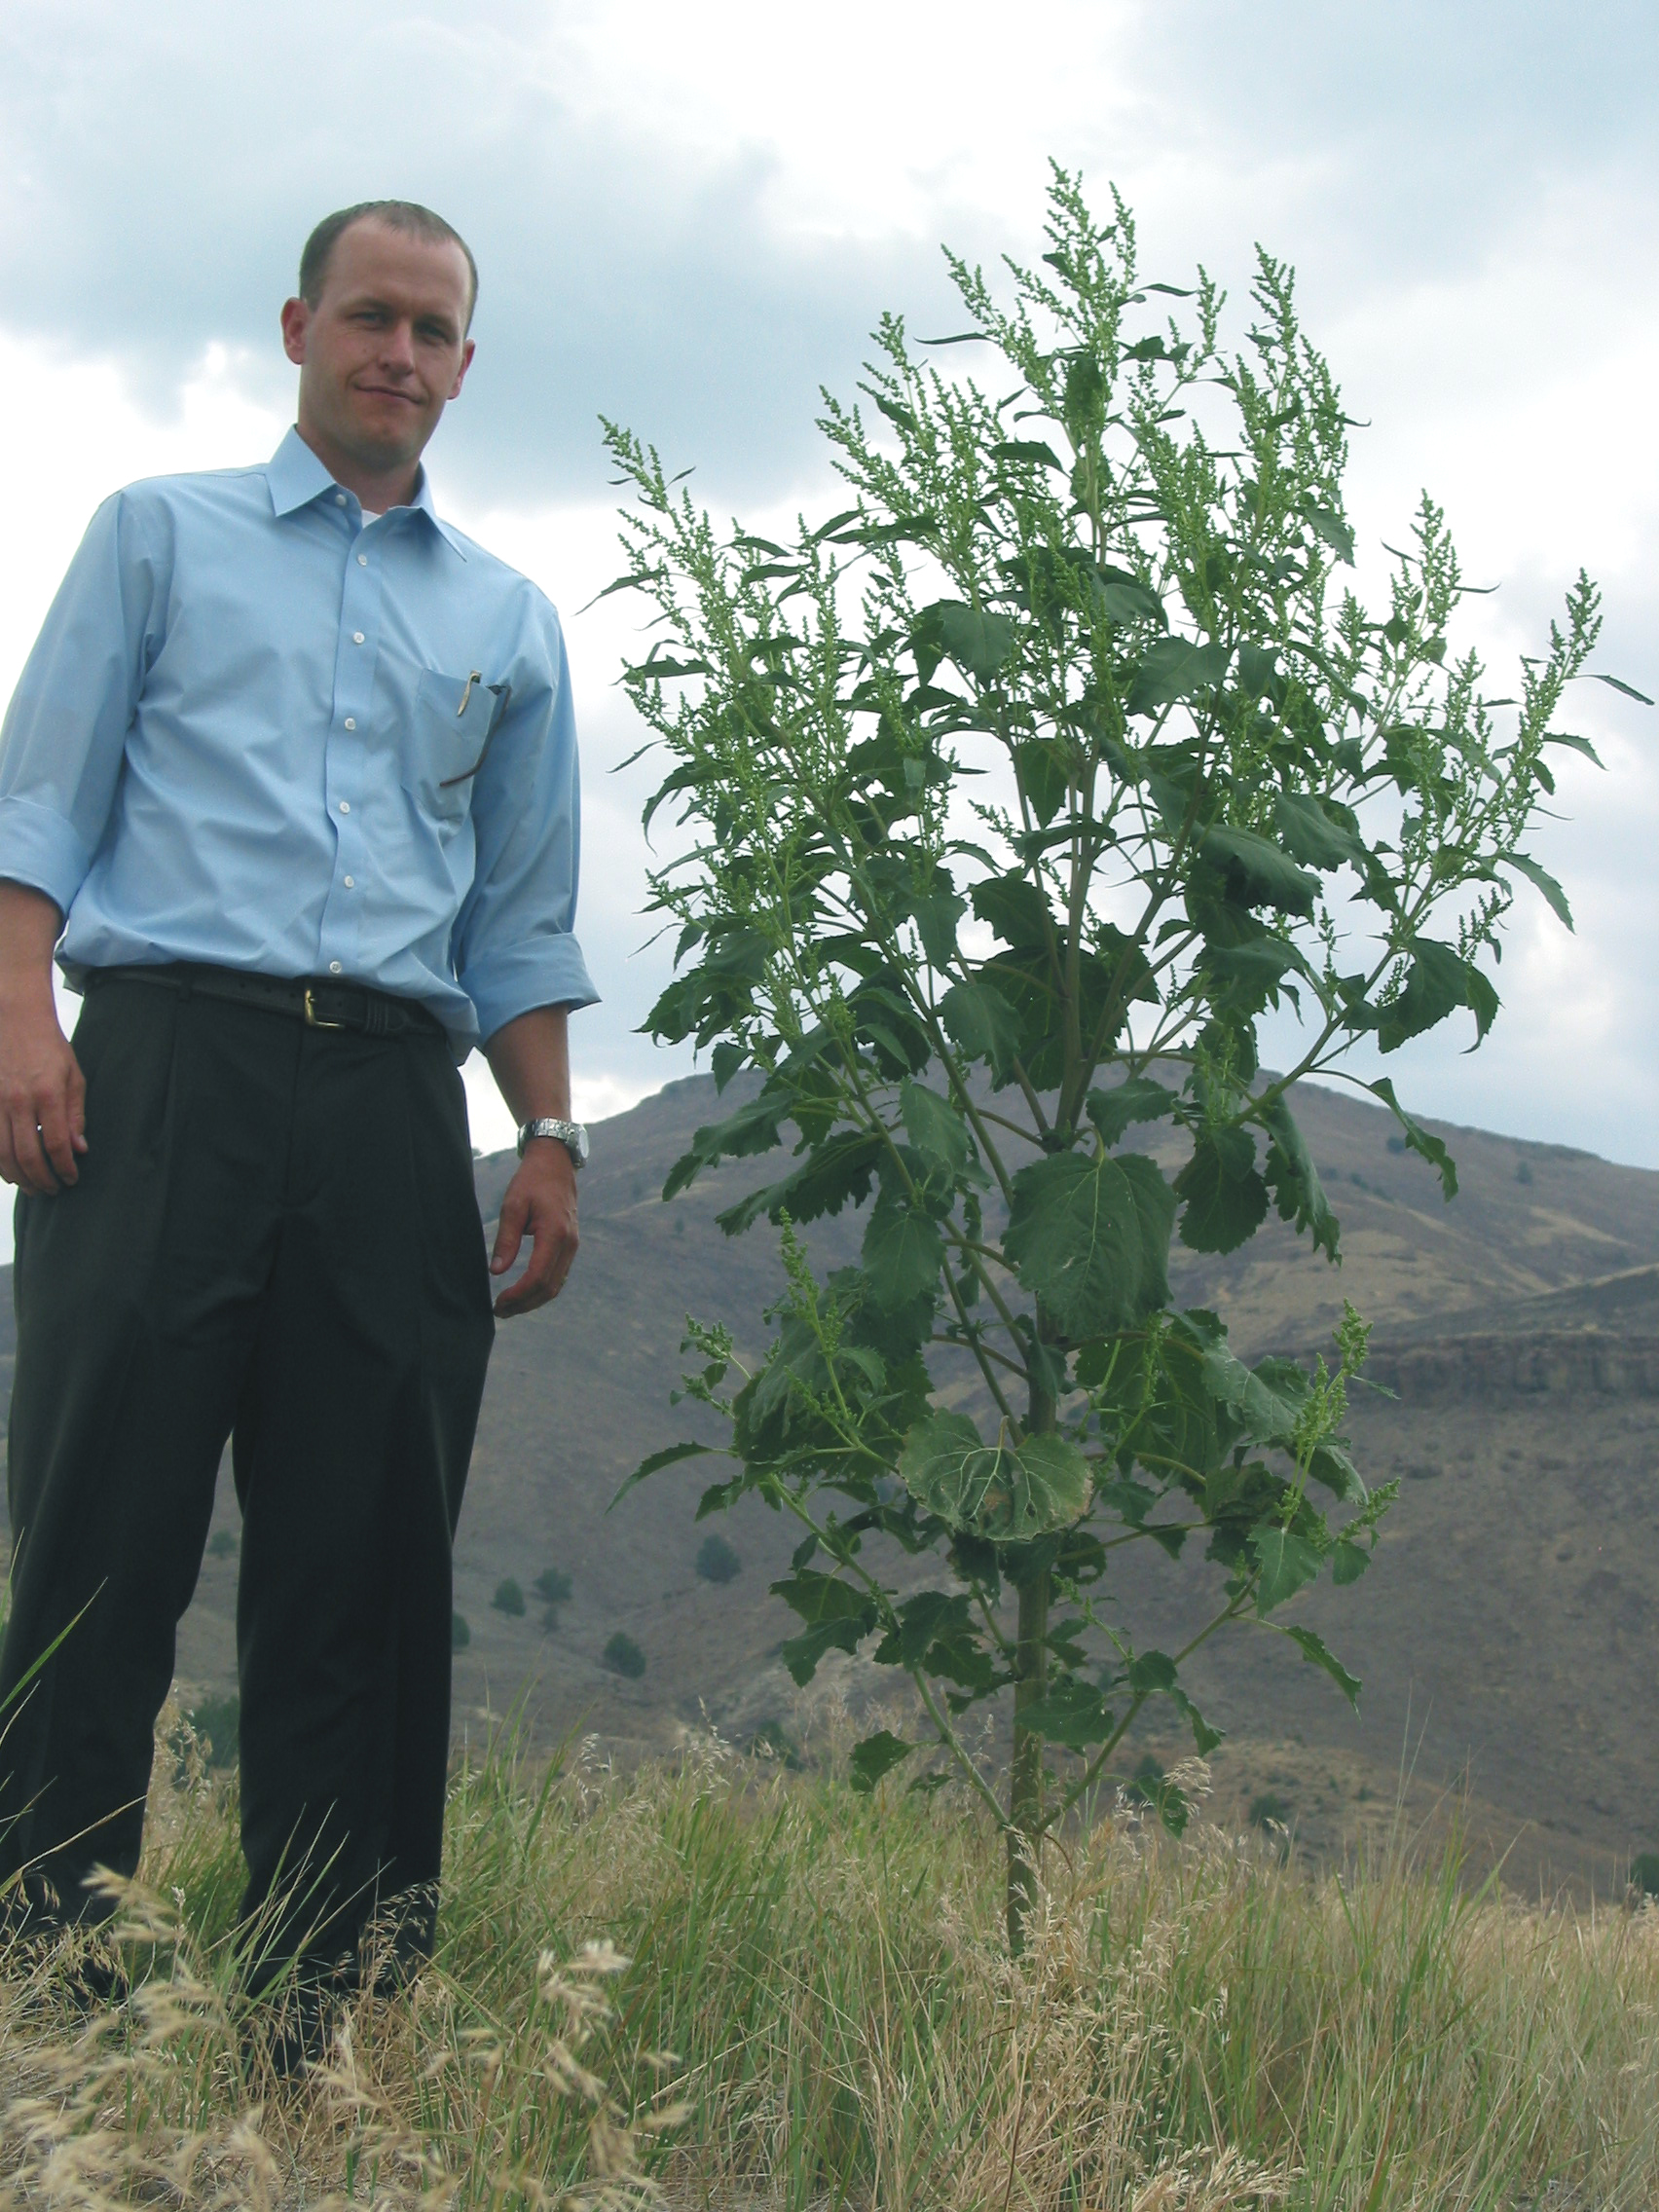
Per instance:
(339,498)
(363,560)
(334,967)
(345,806)
(350,883)
(351,721)
(357,636)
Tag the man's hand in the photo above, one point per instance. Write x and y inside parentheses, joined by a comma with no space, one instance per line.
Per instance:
(540,1203)
(43,1093)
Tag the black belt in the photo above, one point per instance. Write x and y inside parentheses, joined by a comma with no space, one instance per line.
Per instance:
(319,1002)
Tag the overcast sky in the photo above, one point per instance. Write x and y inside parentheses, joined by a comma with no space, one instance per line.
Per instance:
(689,219)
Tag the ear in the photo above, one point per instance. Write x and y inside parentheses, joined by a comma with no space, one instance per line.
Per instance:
(296,323)
(466,354)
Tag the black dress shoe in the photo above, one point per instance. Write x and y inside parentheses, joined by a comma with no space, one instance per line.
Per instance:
(291,2024)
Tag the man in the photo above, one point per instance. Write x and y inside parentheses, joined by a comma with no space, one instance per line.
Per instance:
(289,783)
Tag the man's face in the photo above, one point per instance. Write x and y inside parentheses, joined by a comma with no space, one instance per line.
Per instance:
(385,348)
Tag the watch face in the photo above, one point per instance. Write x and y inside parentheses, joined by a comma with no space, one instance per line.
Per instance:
(579,1142)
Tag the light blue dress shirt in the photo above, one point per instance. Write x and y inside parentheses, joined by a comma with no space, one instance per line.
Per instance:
(257,732)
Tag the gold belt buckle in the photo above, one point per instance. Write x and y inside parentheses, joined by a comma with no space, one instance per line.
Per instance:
(314,1021)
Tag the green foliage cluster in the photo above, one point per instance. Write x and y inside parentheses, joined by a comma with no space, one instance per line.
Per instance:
(1013,798)
(623,1656)
(508,1597)
(461,1635)
(716,1561)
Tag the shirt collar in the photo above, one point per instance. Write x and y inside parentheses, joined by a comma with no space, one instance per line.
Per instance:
(296,477)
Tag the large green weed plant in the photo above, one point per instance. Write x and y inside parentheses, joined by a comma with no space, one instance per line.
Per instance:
(1014,798)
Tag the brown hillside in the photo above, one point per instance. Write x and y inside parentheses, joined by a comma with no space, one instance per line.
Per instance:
(1513,1608)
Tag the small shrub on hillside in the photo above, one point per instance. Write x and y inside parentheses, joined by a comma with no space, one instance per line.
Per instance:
(508,1597)
(552,1586)
(1523,1172)
(1271,1810)
(772,1741)
(460,1636)
(1398,1145)
(1644,1873)
(623,1656)
(1423,1471)
(716,1561)
(221,1544)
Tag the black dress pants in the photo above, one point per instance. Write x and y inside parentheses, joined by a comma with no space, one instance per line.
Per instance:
(273,1238)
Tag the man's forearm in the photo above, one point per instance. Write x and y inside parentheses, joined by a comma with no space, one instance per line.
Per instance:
(29,929)
(529,1059)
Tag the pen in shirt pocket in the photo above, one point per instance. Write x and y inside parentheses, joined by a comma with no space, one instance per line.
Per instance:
(501,693)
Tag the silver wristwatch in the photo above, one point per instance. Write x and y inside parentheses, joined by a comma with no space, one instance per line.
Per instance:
(570,1134)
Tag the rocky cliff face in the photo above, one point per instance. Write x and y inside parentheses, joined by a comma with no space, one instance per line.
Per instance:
(1502,1368)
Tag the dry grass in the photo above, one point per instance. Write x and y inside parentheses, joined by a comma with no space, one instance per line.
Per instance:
(1195,2028)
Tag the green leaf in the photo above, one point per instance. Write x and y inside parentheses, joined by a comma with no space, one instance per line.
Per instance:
(1174,669)
(1348,1561)
(1542,880)
(877,1755)
(981,1024)
(1288,1563)
(993,1489)
(1026,453)
(1090,1240)
(1137,1100)
(754,1127)
(1327,524)
(835,1173)
(950,630)
(1225,1200)
(937,914)
(1313,1650)
(1152,1672)
(1256,873)
(1072,1713)
(1618,683)
(903,1252)
(1294,1180)
(801,1653)
(1423,1142)
(1311,834)
(933,1125)
(669,1457)
(1124,599)
(1438,982)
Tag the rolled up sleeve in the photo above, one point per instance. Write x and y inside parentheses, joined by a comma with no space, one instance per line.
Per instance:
(65,729)
(514,946)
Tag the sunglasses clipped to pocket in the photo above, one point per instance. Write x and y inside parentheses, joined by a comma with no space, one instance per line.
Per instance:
(501,695)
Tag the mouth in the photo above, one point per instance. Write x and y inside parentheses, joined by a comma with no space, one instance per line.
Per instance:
(387,391)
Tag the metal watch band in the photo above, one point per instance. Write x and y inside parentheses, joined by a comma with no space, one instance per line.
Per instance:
(570,1134)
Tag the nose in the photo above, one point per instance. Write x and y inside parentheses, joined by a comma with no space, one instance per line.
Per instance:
(397,349)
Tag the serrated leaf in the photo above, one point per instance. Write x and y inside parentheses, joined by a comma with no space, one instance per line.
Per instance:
(933,1125)
(1288,1563)
(978,643)
(1438,982)
(1312,836)
(1294,1180)
(1328,526)
(1137,1100)
(669,1457)
(1174,669)
(903,1252)
(801,1653)
(991,1489)
(1223,1200)
(1072,1713)
(1314,1650)
(1256,873)
(1423,1142)
(981,1024)
(1618,683)
(1151,1673)
(877,1755)
(1542,880)
(1090,1240)
(1348,1561)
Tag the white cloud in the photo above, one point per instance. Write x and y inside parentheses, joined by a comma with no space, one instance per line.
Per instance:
(691,217)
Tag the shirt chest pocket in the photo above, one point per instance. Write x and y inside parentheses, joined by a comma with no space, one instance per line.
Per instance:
(449,733)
